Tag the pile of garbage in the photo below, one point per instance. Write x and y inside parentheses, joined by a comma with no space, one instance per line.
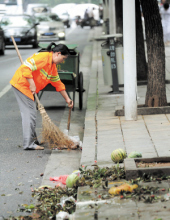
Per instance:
(60,202)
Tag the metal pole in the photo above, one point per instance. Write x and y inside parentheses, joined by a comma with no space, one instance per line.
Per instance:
(113,65)
(112,17)
(129,42)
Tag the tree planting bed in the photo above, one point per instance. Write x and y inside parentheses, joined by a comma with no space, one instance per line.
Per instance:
(137,167)
(142,110)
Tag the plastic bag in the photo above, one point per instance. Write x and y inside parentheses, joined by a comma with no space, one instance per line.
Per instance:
(66,199)
(61,179)
(75,139)
(167,196)
(62,216)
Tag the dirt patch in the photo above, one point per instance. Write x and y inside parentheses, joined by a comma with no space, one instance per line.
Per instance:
(152,164)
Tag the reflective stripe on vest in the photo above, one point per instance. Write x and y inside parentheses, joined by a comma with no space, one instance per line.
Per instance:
(32,67)
(50,77)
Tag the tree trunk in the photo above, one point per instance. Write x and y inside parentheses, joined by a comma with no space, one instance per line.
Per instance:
(140,51)
(156,92)
(119,16)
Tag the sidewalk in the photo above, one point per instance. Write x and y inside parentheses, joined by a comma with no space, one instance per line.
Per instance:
(104,132)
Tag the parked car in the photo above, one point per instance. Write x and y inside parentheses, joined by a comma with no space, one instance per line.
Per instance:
(50,27)
(2,42)
(22,27)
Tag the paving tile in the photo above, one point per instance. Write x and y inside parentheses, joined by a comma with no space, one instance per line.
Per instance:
(149,155)
(117,211)
(154,212)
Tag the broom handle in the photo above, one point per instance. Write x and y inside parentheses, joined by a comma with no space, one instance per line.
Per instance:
(19,55)
(69,116)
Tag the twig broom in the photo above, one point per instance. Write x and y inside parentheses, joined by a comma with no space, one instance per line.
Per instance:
(51,134)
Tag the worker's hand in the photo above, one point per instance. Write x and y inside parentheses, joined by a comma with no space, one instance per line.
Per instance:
(70,103)
(66,97)
(33,88)
(32,85)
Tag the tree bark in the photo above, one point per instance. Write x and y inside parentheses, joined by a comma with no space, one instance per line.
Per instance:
(119,16)
(156,91)
(140,51)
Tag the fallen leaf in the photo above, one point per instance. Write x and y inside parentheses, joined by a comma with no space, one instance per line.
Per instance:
(35,216)
(19,184)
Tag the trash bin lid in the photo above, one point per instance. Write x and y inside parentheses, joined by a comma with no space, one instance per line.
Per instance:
(70,46)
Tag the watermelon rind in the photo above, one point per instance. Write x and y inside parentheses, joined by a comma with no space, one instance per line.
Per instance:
(71,180)
(134,154)
(118,155)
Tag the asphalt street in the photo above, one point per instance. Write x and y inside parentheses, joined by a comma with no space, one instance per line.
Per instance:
(20,170)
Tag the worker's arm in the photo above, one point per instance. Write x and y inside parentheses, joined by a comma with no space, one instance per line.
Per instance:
(68,100)
(32,85)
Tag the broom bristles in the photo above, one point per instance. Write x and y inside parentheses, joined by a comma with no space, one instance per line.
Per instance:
(52,135)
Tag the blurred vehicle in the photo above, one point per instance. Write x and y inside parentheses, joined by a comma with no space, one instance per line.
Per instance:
(2,42)
(78,20)
(89,18)
(22,27)
(88,22)
(50,27)
(2,10)
(37,8)
(65,19)
(79,10)
(11,6)
(63,11)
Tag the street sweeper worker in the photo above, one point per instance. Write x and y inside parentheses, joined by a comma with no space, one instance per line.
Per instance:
(32,76)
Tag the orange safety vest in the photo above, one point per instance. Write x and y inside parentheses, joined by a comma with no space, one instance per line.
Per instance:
(39,67)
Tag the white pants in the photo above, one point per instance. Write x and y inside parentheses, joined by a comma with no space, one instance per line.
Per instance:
(28,114)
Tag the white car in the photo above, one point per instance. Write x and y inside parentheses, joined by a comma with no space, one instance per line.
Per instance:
(50,27)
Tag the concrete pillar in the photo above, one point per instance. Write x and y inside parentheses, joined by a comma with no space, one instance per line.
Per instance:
(112,17)
(129,42)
